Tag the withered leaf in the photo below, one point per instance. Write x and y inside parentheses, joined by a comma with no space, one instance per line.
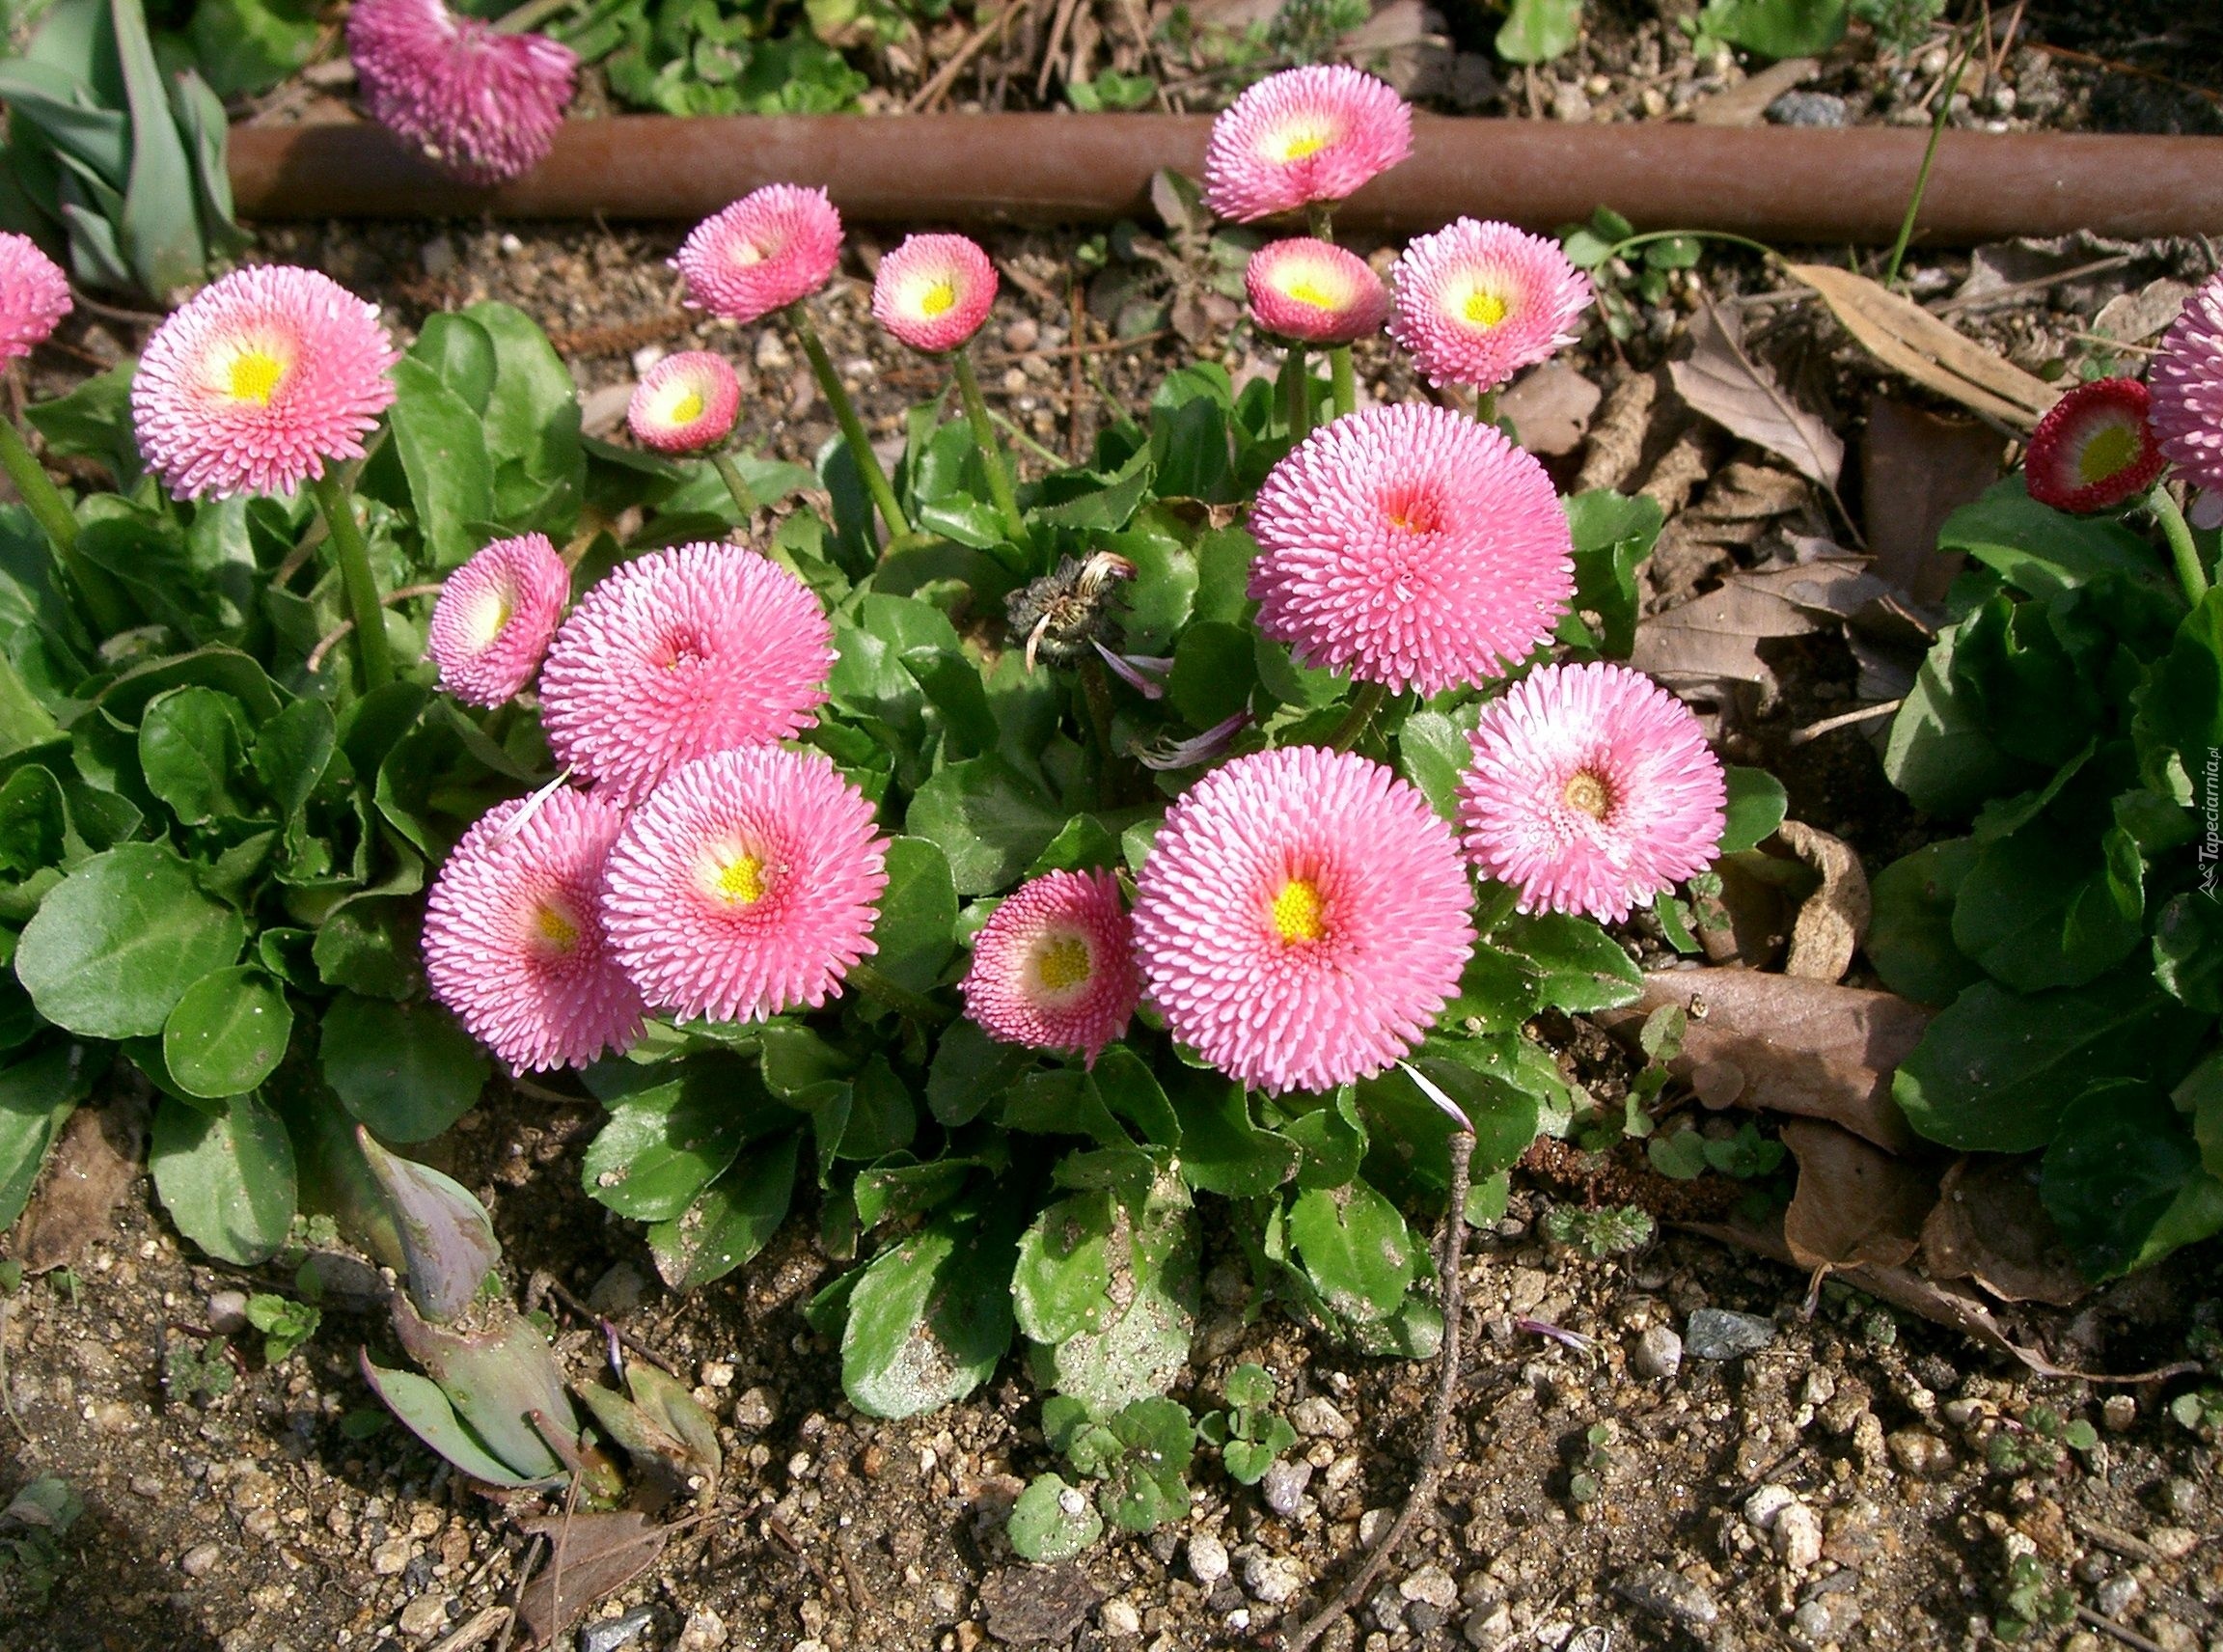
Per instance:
(1918,468)
(1714,637)
(1908,339)
(1745,104)
(591,1556)
(1990,1228)
(1832,921)
(1550,407)
(1737,392)
(1856,1204)
(89,1174)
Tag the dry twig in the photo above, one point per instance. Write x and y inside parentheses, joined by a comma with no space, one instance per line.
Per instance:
(944,77)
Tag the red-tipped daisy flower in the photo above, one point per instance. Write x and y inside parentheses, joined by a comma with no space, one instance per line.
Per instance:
(514,937)
(933,291)
(2188,384)
(34,296)
(684,403)
(2095,448)
(1314,292)
(1302,918)
(746,885)
(1304,135)
(771,247)
(259,382)
(1413,546)
(1054,967)
(679,653)
(482,104)
(1591,789)
(1475,303)
(494,618)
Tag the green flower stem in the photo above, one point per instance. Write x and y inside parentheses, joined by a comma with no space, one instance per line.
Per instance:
(901,998)
(744,501)
(1928,159)
(2179,533)
(1369,701)
(846,414)
(991,449)
(1486,406)
(1322,221)
(1297,374)
(531,16)
(1345,382)
(111,609)
(374,660)
(1621,247)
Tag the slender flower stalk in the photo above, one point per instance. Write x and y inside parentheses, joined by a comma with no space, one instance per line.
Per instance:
(1363,706)
(2191,574)
(875,479)
(1296,392)
(991,449)
(1344,381)
(110,608)
(373,659)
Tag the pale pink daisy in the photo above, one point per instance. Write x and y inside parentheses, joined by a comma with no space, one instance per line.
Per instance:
(1475,303)
(260,382)
(679,653)
(684,403)
(482,104)
(495,616)
(1591,789)
(1054,967)
(514,937)
(1302,918)
(1411,546)
(746,885)
(1314,291)
(2186,379)
(34,296)
(771,247)
(933,291)
(2095,448)
(1305,135)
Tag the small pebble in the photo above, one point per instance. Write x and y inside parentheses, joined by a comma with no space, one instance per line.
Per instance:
(1314,1417)
(1433,1585)
(1271,1579)
(612,1633)
(391,1558)
(1569,103)
(1810,109)
(1658,1354)
(228,1312)
(1284,1487)
(1659,1593)
(2118,1597)
(1798,1537)
(1207,1558)
(1919,1452)
(2119,1412)
(2173,1542)
(1488,1626)
(753,1412)
(704,1632)
(424,1617)
(1763,1506)
(1119,1619)
(200,1560)
(1719,1333)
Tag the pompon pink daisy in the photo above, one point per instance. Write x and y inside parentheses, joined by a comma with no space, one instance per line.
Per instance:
(1475,303)
(933,291)
(482,105)
(34,296)
(2095,448)
(771,247)
(684,403)
(1302,918)
(258,383)
(514,937)
(495,616)
(682,652)
(1314,291)
(2186,379)
(1591,789)
(746,885)
(1054,967)
(1411,546)
(1307,135)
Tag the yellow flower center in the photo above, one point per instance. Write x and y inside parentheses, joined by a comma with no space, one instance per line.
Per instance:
(741,880)
(748,253)
(2109,449)
(1415,511)
(555,926)
(1297,143)
(493,612)
(1306,290)
(687,408)
(938,299)
(1588,793)
(255,376)
(1484,309)
(1064,963)
(1296,914)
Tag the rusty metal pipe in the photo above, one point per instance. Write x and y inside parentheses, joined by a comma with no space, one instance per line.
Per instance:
(1777,183)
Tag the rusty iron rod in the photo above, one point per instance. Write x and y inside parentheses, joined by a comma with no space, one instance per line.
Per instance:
(1782,183)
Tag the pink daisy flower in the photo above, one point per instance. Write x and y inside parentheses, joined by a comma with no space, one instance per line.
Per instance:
(933,291)
(1413,546)
(771,247)
(2187,385)
(1304,135)
(1302,918)
(1054,967)
(1592,789)
(1475,303)
(685,401)
(34,296)
(1314,291)
(679,653)
(259,382)
(746,885)
(2095,448)
(482,105)
(494,618)
(514,937)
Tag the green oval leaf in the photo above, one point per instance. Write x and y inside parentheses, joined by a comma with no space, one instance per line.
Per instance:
(915,932)
(226,1178)
(192,748)
(117,942)
(1756,807)
(406,1070)
(929,1317)
(227,1034)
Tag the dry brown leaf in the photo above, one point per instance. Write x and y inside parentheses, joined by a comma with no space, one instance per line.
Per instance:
(89,1175)
(1990,1228)
(1833,919)
(1618,432)
(593,1556)
(1715,638)
(1729,387)
(1743,104)
(2133,317)
(1552,408)
(1748,922)
(1917,468)
(1856,1204)
(1908,339)
(1776,1043)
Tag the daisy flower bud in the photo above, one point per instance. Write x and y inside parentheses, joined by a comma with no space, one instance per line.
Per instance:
(2187,385)
(2095,448)
(34,296)
(261,381)
(685,403)
(1592,789)
(1302,919)
(933,291)
(1314,292)
(482,105)
(1475,303)
(1054,967)
(771,247)
(495,616)
(1304,135)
